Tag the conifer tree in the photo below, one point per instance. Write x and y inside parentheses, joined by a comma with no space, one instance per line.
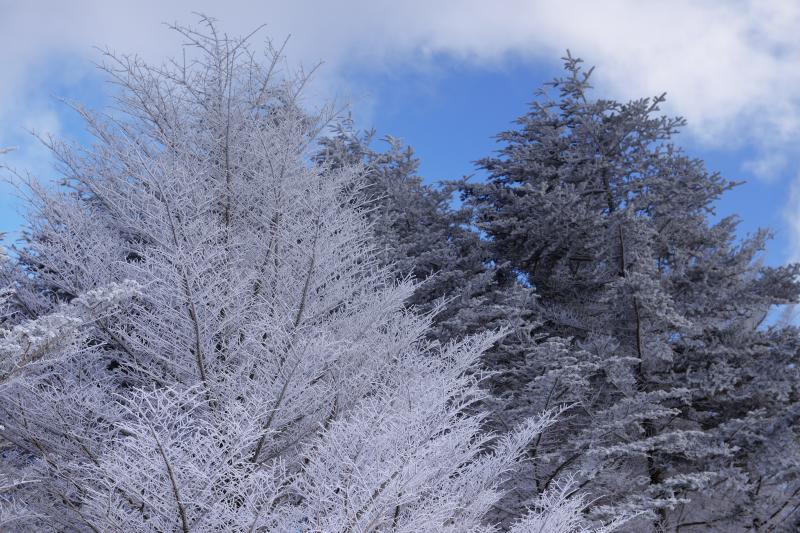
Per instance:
(649,316)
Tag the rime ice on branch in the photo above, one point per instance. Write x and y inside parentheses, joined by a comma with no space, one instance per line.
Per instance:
(264,375)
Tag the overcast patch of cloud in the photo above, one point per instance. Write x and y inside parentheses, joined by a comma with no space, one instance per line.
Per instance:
(731,67)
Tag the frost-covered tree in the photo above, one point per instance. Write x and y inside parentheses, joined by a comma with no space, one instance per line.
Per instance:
(419,234)
(424,236)
(198,335)
(649,317)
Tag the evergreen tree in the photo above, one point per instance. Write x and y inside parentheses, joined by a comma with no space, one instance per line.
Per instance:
(649,316)
(198,337)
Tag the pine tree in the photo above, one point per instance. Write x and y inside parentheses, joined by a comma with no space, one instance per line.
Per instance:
(198,337)
(648,315)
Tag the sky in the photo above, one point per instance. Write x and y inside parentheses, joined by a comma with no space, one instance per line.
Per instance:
(445,76)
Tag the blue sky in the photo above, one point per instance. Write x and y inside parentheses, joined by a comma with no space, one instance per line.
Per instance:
(447,77)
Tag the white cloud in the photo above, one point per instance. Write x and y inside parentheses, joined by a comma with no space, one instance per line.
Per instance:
(768,167)
(731,67)
(792,215)
(721,61)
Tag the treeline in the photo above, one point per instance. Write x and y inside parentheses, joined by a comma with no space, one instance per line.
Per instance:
(592,243)
(234,316)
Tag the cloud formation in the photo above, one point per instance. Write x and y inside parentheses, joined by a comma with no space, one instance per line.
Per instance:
(721,61)
(731,67)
